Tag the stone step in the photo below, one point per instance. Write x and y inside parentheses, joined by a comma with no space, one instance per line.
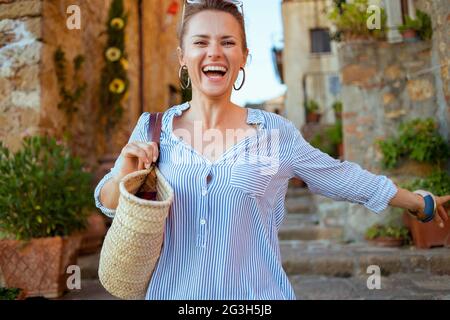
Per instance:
(89,265)
(91,289)
(303,219)
(400,286)
(298,192)
(308,232)
(299,205)
(323,259)
(331,258)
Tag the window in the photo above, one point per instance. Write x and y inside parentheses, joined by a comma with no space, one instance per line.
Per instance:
(320,40)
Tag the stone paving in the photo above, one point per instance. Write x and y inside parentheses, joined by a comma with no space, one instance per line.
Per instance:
(320,266)
(405,286)
(329,272)
(324,257)
(414,286)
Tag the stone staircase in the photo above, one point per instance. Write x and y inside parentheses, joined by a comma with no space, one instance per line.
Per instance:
(321,266)
(301,222)
(312,249)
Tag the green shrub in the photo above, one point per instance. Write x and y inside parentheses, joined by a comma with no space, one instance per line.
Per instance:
(44,191)
(328,140)
(418,140)
(426,32)
(438,183)
(337,106)
(422,25)
(334,133)
(320,142)
(410,24)
(378,231)
(9,293)
(391,152)
(351,20)
(312,106)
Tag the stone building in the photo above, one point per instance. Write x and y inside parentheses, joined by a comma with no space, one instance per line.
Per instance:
(311,57)
(30,32)
(383,83)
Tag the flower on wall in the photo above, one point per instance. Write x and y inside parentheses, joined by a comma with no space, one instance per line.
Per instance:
(114,78)
(113,54)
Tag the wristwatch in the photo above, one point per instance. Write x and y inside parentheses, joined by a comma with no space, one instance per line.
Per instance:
(430,206)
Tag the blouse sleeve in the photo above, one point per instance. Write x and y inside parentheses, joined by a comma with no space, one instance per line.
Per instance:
(139,134)
(339,180)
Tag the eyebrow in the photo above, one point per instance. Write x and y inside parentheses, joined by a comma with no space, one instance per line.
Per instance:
(207,37)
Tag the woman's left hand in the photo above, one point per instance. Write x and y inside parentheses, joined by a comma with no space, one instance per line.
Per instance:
(441,212)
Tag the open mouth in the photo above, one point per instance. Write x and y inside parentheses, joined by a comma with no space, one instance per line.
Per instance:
(214,72)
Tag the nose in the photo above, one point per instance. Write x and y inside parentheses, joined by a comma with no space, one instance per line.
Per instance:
(214,50)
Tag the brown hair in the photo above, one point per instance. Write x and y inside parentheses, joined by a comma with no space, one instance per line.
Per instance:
(216,5)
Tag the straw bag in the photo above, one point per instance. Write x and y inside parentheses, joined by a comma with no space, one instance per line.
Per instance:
(133,243)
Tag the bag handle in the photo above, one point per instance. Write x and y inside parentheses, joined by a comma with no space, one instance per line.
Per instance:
(154,129)
(154,135)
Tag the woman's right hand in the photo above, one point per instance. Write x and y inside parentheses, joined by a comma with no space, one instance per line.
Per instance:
(137,156)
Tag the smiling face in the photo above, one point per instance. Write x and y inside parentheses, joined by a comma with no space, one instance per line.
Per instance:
(213,53)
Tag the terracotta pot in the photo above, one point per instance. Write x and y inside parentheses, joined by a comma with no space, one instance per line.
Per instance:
(427,235)
(94,234)
(386,242)
(313,117)
(39,266)
(297,183)
(410,35)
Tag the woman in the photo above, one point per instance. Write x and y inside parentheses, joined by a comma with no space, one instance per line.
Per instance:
(220,237)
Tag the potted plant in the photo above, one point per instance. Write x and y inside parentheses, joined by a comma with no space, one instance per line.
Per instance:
(409,29)
(388,235)
(417,29)
(417,158)
(45,198)
(416,151)
(427,235)
(329,140)
(351,21)
(11,293)
(334,134)
(312,111)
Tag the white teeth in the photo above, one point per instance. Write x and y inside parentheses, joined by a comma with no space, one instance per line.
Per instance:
(214,68)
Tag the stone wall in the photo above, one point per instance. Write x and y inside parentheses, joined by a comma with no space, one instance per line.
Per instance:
(30,32)
(20,59)
(439,10)
(383,85)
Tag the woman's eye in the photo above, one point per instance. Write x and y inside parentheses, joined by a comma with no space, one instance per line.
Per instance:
(229,43)
(201,43)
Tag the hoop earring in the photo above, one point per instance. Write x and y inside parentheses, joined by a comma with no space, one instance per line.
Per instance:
(183,85)
(243,80)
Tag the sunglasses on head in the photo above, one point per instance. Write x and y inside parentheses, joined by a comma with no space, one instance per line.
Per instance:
(238,3)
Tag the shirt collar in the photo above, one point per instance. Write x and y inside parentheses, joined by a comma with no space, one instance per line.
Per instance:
(255,116)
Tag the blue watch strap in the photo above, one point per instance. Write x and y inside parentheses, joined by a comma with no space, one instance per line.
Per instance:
(429,208)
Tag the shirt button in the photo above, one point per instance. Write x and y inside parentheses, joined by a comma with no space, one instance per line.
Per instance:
(202,221)
(204,192)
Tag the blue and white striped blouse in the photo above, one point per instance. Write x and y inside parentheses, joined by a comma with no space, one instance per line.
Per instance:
(221,235)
